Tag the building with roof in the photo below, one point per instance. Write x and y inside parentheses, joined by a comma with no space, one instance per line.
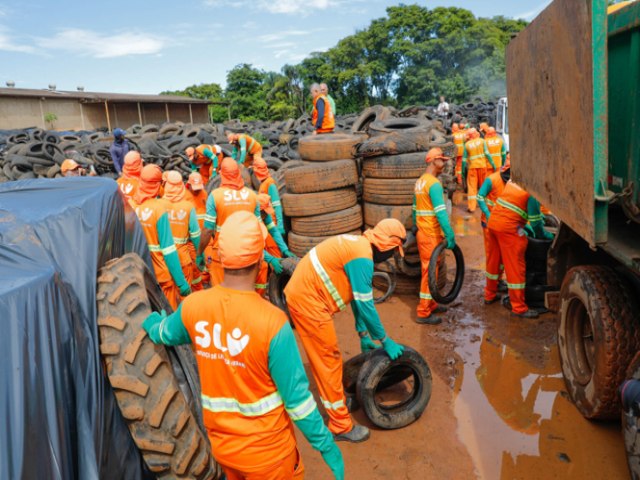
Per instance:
(80,110)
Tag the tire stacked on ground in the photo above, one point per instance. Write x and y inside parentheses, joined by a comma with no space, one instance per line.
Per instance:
(321,199)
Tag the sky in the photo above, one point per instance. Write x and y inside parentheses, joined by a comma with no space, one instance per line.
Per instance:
(148,47)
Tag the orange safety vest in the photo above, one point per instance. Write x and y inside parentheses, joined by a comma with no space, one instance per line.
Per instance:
(199,201)
(511,209)
(497,187)
(320,281)
(475,153)
(128,186)
(253,146)
(242,410)
(458,140)
(426,219)
(148,213)
(328,121)
(229,201)
(494,144)
(264,188)
(179,213)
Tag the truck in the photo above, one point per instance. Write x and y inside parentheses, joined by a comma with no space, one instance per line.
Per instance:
(575,146)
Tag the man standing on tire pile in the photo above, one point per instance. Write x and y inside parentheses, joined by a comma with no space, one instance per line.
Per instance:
(322,117)
(333,274)
(268,186)
(232,196)
(474,166)
(324,90)
(430,221)
(128,181)
(152,214)
(245,148)
(252,377)
(197,195)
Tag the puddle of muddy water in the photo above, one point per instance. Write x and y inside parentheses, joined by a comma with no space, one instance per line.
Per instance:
(514,414)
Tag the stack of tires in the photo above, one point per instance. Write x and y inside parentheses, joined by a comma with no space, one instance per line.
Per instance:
(321,199)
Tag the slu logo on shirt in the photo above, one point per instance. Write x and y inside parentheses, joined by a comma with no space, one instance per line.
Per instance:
(235,195)
(126,189)
(146,214)
(236,342)
(420,184)
(177,215)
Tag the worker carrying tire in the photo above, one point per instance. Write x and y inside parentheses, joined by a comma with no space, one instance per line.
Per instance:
(322,118)
(507,235)
(205,159)
(458,139)
(497,149)
(184,225)
(474,166)
(152,214)
(333,274)
(197,195)
(268,185)
(431,225)
(253,381)
(131,169)
(245,148)
(232,196)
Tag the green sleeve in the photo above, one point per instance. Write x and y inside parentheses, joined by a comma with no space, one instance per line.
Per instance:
(437,200)
(211,216)
(413,210)
(465,154)
(275,233)
(360,274)
(194,228)
(243,149)
(487,154)
(207,153)
(268,257)
(169,250)
(287,371)
(277,206)
(235,153)
(256,212)
(535,217)
(171,330)
(503,153)
(485,189)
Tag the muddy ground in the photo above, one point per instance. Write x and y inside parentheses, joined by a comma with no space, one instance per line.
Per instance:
(499,408)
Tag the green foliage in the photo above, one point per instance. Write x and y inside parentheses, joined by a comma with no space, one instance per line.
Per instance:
(206,91)
(50,118)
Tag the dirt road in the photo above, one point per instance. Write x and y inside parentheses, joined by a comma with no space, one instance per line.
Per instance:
(499,408)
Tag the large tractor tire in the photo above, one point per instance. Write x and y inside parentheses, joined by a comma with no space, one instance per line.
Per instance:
(406,165)
(308,204)
(597,338)
(328,224)
(387,191)
(321,177)
(161,420)
(327,147)
(301,244)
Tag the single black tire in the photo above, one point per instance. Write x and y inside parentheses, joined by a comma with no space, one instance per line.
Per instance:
(405,165)
(308,204)
(334,223)
(597,337)
(404,125)
(301,244)
(321,177)
(351,368)
(368,116)
(377,366)
(327,147)
(388,191)
(160,420)
(391,285)
(434,286)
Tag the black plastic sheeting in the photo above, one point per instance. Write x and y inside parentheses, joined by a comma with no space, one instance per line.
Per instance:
(58,415)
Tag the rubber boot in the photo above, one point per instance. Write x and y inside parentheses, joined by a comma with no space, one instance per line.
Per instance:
(358,433)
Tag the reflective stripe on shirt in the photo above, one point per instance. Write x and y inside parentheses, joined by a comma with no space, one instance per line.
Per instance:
(513,208)
(231,405)
(303,410)
(363,297)
(324,276)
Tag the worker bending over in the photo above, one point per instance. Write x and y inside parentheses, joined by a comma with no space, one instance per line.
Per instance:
(205,160)
(431,222)
(268,185)
(152,214)
(245,148)
(497,149)
(322,117)
(252,377)
(131,169)
(333,274)
(474,166)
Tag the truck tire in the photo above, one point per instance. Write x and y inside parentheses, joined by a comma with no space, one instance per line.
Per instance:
(375,369)
(387,191)
(373,213)
(597,337)
(301,244)
(405,165)
(160,419)
(328,224)
(308,204)
(321,177)
(327,147)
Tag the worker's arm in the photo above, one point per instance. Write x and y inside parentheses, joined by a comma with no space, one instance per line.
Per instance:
(485,190)
(277,206)
(166,330)
(287,371)
(170,254)
(213,158)
(503,153)
(209,225)
(413,210)
(536,219)
(277,237)
(243,149)
(195,234)
(115,157)
(488,156)
(360,274)
(320,109)
(465,162)
(437,200)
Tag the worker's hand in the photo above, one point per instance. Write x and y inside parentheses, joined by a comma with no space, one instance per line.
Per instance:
(547,235)
(200,262)
(451,241)
(151,325)
(185,289)
(288,254)
(410,240)
(275,265)
(392,348)
(366,344)
(333,458)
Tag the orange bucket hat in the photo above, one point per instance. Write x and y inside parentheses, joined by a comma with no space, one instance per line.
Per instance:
(265,203)
(260,168)
(132,165)
(174,188)
(387,235)
(241,241)
(195,181)
(230,175)
(150,183)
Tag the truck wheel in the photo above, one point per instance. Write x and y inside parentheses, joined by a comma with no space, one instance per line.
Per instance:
(597,338)
(160,419)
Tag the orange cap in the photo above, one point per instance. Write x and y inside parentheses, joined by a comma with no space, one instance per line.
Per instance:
(387,234)
(68,165)
(472,133)
(491,132)
(265,203)
(483,126)
(260,168)
(195,181)
(434,154)
(174,188)
(241,241)
(190,152)
(455,127)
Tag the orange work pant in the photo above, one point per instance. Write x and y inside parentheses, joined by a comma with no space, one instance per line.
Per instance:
(475,179)
(262,280)
(426,244)
(318,337)
(171,291)
(212,260)
(508,248)
(458,170)
(485,234)
(196,274)
(289,468)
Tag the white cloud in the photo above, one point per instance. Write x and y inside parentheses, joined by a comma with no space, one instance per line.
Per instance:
(275,6)
(86,42)
(279,36)
(8,45)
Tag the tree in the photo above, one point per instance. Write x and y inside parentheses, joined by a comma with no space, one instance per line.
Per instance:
(206,91)
(245,93)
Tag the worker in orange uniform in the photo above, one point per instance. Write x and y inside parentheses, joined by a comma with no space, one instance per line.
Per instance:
(253,381)
(483,128)
(197,195)
(131,169)
(333,274)
(152,214)
(322,118)
(431,226)
(184,224)
(488,195)
(268,185)
(474,166)
(71,168)
(458,139)
(245,148)
(205,159)
(496,147)
(508,243)
(232,196)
